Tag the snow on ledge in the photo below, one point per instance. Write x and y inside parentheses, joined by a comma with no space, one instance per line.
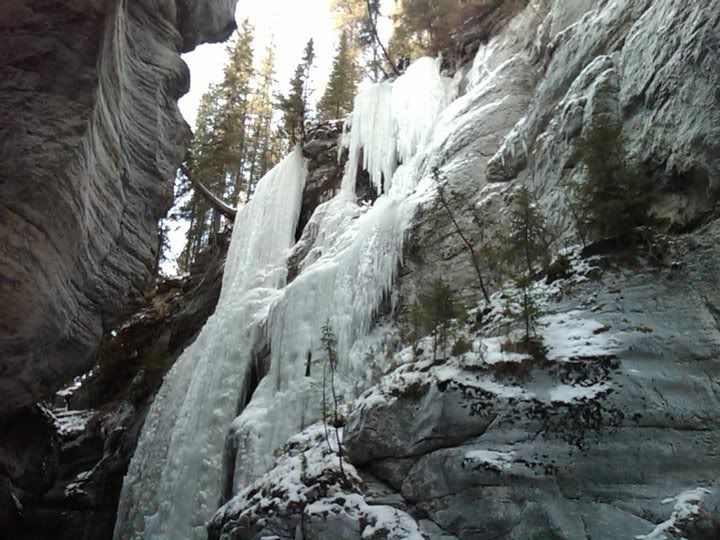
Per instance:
(687,505)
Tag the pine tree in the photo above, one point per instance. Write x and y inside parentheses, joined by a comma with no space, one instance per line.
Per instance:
(359,19)
(262,153)
(527,245)
(439,307)
(615,196)
(337,101)
(426,27)
(528,231)
(295,104)
(205,162)
(237,89)
(328,342)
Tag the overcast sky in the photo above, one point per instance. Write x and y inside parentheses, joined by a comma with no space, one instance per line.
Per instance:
(290,23)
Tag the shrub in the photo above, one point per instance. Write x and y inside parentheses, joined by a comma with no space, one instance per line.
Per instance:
(461,346)
(440,307)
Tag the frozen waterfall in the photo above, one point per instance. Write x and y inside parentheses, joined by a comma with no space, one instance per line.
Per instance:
(175,480)
(172,486)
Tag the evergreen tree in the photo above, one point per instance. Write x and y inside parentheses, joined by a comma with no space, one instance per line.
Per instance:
(426,27)
(236,141)
(439,307)
(262,152)
(328,342)
(359,19)
(237,88)
(527,245)
(295,104)
(615,196)
(528,232)
(205,162)
(337,101)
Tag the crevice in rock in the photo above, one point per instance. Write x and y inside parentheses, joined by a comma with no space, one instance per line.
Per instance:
(258,368)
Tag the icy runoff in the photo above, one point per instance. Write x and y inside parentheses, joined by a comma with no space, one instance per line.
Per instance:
(175,480)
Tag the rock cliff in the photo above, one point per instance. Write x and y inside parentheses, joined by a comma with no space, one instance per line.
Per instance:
(65,460)
(613,433)
(90,142)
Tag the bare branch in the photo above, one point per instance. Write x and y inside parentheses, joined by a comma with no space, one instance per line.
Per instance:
(379,42)
(458,229)
(221,206)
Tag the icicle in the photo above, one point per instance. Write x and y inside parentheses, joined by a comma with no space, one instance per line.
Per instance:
(350,267)
(373,132)
(418,98)
(389,121)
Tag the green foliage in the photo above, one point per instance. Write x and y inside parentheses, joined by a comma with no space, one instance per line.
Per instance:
(433,314)
(337,101)
(426,27)
(524,307)
(528,243)
(359,19)
(461,346)
(519,254)
(238,138)
(328,342)
(295,105)
(615,197)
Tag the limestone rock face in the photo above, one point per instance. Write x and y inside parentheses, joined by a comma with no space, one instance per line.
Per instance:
(588,442)
(62,464)
(89,144)
(651,65)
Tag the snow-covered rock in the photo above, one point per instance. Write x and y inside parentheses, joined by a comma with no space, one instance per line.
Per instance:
(307,495)
(587,442)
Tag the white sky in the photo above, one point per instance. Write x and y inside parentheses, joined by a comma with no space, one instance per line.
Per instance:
(291,23)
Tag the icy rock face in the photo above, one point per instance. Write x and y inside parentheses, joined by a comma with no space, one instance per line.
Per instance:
(306,494)
(595,441)
(90,141)
(255,353)
(652,65)
(621,415)
(351,254)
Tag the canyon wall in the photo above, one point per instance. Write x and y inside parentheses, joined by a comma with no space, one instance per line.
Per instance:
(89,144)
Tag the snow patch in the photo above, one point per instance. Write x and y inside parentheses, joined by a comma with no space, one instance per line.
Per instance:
(570,336)
(492,458)
(567,393)
(687,505)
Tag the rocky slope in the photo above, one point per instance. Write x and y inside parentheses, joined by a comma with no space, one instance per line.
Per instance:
(613,434)
(90,142)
